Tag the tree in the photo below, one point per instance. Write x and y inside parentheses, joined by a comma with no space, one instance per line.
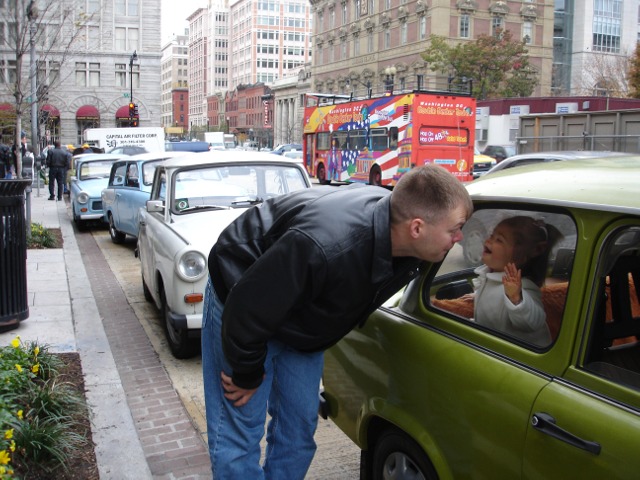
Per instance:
(497,65)
(604,74)
(634,73)
(51,27)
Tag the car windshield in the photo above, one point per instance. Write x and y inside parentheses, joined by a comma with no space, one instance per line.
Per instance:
(232,186)
(100,169)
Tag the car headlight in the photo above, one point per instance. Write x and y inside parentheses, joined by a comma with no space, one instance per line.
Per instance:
(191,265)
(83,197)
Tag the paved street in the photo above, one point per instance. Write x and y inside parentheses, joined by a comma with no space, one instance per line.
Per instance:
(337,457)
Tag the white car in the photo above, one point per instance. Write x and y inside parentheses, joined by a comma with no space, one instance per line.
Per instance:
(193,198)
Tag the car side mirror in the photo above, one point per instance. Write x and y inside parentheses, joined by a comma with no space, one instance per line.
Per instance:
(155,206)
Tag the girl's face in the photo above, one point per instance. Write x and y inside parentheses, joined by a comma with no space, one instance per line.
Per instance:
(499,248)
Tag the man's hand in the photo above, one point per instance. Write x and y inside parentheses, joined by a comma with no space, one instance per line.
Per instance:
(512,281)
(239,396)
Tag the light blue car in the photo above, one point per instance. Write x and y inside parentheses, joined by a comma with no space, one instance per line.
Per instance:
(87,182)
(128,190)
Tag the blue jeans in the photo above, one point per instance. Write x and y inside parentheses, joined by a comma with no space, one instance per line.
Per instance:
(289,393)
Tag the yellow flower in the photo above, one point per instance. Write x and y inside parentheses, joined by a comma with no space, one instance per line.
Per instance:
(15,343)
(18,367)
(12,446)
(19,414)
(4,457)
(3,470)
(36,350)
(8,434)
(35,368)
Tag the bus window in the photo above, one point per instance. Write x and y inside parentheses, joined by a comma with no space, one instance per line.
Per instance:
(379,139)
(324,141)
(393,137)
(341,140)
(358,140)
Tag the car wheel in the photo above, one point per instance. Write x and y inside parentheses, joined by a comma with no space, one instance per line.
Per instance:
(116,236)
(475,234)
(79,222)
(375,176)
(145,289)
(321,175)
(178,338)
(398,457)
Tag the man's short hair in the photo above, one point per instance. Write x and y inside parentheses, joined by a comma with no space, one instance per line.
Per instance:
(428,192)
(56,144)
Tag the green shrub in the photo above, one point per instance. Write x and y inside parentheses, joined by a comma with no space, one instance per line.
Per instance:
(41,237)
(37,425)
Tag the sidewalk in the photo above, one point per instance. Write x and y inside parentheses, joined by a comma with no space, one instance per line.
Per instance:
(63,314)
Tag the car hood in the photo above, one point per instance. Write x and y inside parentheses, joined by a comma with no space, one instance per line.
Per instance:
(201,229)
(93,187)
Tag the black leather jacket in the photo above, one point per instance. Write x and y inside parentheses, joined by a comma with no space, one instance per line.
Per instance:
(305,269)
(57,158)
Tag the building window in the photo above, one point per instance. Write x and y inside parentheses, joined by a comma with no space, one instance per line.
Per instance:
(527,32)
(423,27)
(87,75)
(356,46)
(332,18)
(607,25)
(372,6)
(387,4)
(403,33)
(387,38)
(126,8)
(344,13)
(126,39)
(121,74)
(343,47)
(497,26)
(465,24)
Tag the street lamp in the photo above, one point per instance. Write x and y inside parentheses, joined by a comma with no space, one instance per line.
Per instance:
(390,72)
(134,57)
(367,85)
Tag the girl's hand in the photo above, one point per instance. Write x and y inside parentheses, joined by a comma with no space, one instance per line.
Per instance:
(239,396)
(512,282)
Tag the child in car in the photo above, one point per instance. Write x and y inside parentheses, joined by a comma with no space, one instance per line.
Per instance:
(507,294)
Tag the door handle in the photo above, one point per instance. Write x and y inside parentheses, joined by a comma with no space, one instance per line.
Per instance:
(546,424)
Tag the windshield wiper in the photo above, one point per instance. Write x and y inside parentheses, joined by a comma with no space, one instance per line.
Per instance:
(202,207)
(248,201)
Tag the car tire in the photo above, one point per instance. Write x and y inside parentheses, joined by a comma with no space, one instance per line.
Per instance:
(80,224)
(116,235)
(375,176)
(145,289)
(397,456)
(178,339)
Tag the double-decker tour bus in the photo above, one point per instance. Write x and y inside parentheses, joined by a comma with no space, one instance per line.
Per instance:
(375,140)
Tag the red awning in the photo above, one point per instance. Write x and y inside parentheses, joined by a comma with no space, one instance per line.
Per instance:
(87,111)
(7,106)
(123,112)
(53,111)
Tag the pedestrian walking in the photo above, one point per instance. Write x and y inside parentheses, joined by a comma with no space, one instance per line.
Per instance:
(285,284)
(58,163)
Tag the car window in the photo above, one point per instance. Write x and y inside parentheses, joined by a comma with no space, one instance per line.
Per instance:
(232,186)
(133,177)
(118,175)
(614,341)
(467,289)
(89,170)
(148,171)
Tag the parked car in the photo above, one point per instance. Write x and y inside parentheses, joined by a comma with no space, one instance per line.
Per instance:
(280,149)
(129,150)
(128,190)
(481,163)
(422,388)
(294,155)
(499,152)
(90,174)
(193,198)
(543,157)
(196,146)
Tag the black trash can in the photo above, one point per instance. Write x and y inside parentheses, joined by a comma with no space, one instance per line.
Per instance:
(14,305)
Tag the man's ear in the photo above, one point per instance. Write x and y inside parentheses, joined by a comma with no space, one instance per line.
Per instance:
(415,227)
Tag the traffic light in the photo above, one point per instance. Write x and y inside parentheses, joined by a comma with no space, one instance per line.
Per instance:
(134,122)
(135,109)
(132,109)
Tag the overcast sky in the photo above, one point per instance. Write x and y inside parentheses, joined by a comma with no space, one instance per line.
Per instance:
(174,14)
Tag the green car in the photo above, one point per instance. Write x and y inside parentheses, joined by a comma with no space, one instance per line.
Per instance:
(427,392)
